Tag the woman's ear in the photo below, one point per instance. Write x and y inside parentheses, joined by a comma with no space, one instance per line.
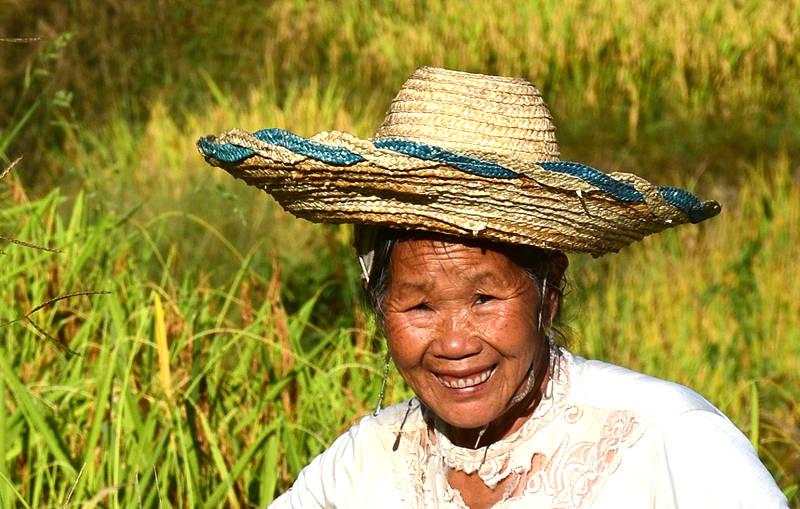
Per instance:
(555,273)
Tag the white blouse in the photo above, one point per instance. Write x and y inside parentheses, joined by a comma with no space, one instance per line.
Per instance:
(607,438)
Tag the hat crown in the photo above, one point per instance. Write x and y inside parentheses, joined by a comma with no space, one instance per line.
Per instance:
(473,114)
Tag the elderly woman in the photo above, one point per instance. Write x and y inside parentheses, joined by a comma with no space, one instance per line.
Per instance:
(463,214)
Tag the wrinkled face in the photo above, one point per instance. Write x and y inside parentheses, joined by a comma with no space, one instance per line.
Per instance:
(462,325)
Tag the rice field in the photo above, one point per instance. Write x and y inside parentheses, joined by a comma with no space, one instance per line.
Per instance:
(170,338)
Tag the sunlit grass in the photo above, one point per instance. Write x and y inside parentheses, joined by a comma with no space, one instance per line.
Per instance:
(713,307)
(616,73)
(256,391)
(269,353)
(252,391)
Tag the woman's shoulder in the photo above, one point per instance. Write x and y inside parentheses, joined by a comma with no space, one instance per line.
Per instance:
(600,384)
(358,468)
(674,441)
(408,415)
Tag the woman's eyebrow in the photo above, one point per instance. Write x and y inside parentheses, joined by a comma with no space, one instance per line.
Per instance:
(417,286)
(484,277)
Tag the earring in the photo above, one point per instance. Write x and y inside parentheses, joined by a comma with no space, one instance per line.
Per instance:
(542,298)
(554,361)
(383,386)
(400,431)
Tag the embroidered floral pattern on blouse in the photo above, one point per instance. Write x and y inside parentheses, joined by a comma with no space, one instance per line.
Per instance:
(560,458)
(573,475)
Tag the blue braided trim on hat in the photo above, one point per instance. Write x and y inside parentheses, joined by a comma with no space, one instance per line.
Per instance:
(619,190)
(430,153)
(680,198)
(224,152)
(339,156)
(229,153)
(623,191)
(686,201)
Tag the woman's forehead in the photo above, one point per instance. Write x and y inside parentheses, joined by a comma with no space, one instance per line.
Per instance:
(435,255)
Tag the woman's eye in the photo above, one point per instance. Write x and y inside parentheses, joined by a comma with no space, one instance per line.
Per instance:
(420,307)
(483,298)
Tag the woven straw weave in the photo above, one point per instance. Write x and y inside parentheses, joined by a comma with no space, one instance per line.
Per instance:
(483,115)
(427,168)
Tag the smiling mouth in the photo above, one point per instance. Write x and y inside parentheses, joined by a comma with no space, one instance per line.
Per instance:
(463,383)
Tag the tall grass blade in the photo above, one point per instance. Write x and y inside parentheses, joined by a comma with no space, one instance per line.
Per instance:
(100,495)
(6,139)
(240,465)
(33,413)
(162,348)
(755,416)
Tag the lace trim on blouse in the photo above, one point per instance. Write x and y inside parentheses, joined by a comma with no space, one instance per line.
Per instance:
(560,458)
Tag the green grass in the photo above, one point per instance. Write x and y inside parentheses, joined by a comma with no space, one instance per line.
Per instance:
(231,345)
(622,77)
(713,307)
(254,391)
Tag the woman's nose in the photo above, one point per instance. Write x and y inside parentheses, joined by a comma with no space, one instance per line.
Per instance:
(456,337)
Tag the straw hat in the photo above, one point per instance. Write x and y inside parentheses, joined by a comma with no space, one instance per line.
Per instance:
(461,154)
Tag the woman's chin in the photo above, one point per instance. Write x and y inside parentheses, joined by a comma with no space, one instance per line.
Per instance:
(465,418)
(467,426)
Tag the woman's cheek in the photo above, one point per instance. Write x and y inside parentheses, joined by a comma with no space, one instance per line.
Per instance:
(408,341)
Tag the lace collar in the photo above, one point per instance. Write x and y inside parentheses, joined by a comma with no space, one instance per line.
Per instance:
(560,457)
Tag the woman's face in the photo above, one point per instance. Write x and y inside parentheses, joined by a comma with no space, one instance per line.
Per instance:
(462,325)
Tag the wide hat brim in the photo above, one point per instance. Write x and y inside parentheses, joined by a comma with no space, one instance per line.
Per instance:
(335,177)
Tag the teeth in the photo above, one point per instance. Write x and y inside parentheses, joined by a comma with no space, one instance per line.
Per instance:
(463,383)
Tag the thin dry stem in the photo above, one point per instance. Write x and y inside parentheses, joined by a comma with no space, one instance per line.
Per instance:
(13,163)
(21,40)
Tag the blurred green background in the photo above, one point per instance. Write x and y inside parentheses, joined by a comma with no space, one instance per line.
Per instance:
(233,345)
